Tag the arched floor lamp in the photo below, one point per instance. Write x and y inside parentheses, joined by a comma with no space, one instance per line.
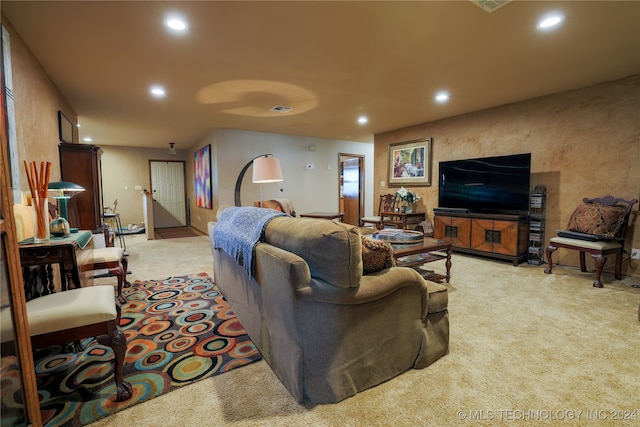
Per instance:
(266,168)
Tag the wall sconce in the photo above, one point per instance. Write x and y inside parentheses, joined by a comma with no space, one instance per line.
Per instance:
(172,149)
(265,169)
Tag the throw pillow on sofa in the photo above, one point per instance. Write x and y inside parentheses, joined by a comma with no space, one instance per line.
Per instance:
(376,255)
(597,219)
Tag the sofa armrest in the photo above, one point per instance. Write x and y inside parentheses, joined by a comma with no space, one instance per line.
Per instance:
(372,287)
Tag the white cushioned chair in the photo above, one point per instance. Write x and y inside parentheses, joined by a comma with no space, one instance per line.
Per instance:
(73,315)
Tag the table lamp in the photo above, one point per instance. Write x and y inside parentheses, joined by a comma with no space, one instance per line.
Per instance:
(62,191)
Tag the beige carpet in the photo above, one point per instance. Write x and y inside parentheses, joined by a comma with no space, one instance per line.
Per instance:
(176,232)
(526,349)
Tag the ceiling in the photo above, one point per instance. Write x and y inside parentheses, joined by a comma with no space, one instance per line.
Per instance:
(331,61)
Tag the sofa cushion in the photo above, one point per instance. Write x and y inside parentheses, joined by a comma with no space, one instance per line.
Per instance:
(597,219)
(332,250)
(376,255)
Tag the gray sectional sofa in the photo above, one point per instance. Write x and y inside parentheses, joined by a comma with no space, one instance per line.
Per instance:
(327,330)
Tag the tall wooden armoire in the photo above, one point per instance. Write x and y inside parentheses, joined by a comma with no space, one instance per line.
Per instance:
(80,164)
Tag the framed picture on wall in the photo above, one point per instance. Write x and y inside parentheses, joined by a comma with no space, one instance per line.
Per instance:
(202,176)
(410,163)
(65,128)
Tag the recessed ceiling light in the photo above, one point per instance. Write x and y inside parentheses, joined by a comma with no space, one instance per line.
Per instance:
(157,91)
(550,21)
(176,23)
(87,139)
(363,120)
(442,97)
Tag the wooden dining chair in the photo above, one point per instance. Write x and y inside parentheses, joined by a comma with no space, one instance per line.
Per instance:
(387,204)
(598,227)
(74,315)
(112,259)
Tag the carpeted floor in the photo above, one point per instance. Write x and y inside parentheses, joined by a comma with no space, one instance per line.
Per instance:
(175,232)
(179,330)
(526,348)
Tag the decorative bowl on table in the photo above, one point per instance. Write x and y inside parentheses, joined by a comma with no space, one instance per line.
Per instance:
(393,235)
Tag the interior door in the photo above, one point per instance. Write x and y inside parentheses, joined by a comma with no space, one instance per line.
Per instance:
(168,188)
(351,187)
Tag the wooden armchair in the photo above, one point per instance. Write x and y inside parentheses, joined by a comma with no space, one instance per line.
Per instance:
(387,204)
(73,315)
(114,260)
(597,227)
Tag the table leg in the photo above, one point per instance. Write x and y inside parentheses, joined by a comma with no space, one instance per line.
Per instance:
(448,265)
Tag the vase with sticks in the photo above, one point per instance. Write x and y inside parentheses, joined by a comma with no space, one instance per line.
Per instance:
(38,184)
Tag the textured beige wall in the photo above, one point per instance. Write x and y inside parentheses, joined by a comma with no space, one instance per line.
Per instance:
(124,168)
(37,102)
(308,189)
(584,143)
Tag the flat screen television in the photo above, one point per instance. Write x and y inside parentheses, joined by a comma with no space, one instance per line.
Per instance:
(486,185)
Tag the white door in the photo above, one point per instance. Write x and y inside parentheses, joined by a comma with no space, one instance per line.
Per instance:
(167,185)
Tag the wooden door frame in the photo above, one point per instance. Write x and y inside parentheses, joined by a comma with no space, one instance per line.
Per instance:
(360,158)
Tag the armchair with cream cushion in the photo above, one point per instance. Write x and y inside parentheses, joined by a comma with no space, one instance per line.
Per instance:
(597,227)
(73,315)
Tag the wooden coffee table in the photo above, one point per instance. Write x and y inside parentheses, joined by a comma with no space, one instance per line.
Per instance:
(415,252)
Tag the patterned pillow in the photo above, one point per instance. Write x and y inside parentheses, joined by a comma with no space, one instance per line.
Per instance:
(597,219)
(376,255)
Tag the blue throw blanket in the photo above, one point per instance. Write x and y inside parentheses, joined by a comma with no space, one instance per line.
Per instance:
(238,231)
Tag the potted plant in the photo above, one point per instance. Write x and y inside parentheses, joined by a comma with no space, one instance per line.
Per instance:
(408,197)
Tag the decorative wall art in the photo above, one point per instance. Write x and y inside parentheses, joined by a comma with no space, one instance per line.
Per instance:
(202,176)
(410,163)
(65,128)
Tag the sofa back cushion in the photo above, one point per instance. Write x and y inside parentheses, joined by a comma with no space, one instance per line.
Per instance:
(332,250)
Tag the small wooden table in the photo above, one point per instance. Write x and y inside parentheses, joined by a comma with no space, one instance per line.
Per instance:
(68,252)
(414,252)
(325,215)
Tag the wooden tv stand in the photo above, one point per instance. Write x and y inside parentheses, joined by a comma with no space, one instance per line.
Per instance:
(502,236)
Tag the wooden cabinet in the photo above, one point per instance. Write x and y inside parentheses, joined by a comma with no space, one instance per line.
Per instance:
(81,164)
(498,236)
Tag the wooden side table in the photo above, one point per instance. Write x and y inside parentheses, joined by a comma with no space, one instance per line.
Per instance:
(68,252)
(325,215)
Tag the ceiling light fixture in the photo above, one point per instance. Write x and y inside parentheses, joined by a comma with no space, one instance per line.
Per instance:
(172,149)
(550,21)
(363,120)
(87,139)
(176,24)
(157,91)
(281,109)
(442,97)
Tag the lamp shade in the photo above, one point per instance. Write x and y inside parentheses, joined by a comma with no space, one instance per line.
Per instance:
(65,189)
(266,169)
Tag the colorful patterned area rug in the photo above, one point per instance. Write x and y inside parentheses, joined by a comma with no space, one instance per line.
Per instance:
(179,330)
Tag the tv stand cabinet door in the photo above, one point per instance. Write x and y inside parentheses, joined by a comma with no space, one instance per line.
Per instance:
(500,237)
(482,235)
(453,229)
